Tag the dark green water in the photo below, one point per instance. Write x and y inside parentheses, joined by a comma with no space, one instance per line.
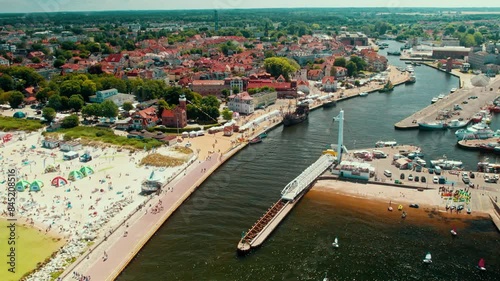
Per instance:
(199,240)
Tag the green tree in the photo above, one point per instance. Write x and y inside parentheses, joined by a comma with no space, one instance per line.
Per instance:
(59,62)
(127,106)
(235,90)
(227,114)
(93,109)
(462,28)
(43,94)
(469,40)
(280,66)
(224,93)
(333,71)
(7,83)
(360,63)
(55,102)
(351,68)
(16,98)
(70,121)
(109,109)
(478,38)
(210,101)
(76,102)
(340,61)
(88,88)
(162,105)
(36,60)
(69,88)
(49,114)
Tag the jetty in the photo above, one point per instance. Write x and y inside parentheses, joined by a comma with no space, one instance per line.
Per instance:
(290,196)
(469,100)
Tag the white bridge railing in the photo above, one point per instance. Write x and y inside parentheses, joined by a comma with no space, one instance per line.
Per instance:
(296,186)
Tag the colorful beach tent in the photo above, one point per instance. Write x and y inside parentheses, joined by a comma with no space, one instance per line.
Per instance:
(58,181)
(75,175)
(36,185)
(86,170)
(22,185)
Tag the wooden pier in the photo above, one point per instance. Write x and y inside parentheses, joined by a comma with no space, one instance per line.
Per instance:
(431,113)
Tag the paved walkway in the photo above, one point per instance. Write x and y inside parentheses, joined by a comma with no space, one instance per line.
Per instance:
(120,249)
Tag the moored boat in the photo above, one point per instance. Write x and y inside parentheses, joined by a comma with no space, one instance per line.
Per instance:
(393,53)
(428,258)
(386,143)
(453,90)
(477,131)
(255,140)
(299,115)
(411,80)
(434,100)
(455,124)
(433,126)
(330,103)
(363,94)
(263,135)
(481,264)
(441,96)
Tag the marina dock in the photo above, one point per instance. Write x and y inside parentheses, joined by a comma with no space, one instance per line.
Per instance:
(469,106)
(290,196)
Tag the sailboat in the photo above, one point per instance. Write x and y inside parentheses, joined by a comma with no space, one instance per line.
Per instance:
(336,243)
(480,265)
(428,258)
(454,232)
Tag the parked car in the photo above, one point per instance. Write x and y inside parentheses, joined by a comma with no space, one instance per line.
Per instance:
(402,176)
(435,179)
(417,179)
(410,177)
(423,179)
(471,175)
(414,206)
(465,179)
(431,171)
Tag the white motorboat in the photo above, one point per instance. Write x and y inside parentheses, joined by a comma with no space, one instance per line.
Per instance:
(428,258)
(477,131)
(434,100)
(453,90)
(454,232)
(386,143)
(363,94)
(455,124)
(441,96)
(335,244)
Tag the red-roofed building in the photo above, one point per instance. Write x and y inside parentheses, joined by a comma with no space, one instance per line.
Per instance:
(176,117)
(315,74)
(209,87)
(329,84)
(116,59)
(241,103)
(144,118)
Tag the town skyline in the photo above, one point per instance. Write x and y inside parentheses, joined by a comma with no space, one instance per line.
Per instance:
(27,6)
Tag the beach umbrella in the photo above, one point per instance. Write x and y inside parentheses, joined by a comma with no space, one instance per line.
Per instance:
(75,175)
(19,114)
(58,181)
(86,170)
(22,185)
(36,185)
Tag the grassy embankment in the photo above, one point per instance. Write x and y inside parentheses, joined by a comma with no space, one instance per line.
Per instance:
(102,136)
(16,124)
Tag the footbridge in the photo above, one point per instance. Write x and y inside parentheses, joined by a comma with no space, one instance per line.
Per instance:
(304,180)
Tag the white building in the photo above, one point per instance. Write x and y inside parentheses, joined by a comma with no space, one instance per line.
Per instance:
(241,103)
(4,61)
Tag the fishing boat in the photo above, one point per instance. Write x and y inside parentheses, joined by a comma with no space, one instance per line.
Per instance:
(335,244)
(447,164)
(477,131)
(478,117)
(299,115)
(481,264)
(428,258)
(363,94)
(255,140)
(455,124)
(432,126)
(411,80)
(434,100)
(454,232)
(388,87)
(330,103)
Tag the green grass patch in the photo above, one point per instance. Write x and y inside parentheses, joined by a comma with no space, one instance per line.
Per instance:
(96,136)
(33,248)
(15,124)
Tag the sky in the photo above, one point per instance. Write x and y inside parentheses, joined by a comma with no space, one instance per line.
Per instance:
(26,6)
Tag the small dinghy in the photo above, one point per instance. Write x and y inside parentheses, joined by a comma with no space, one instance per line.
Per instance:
(428,258)
(480,265)
(336,243)
(454,232)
